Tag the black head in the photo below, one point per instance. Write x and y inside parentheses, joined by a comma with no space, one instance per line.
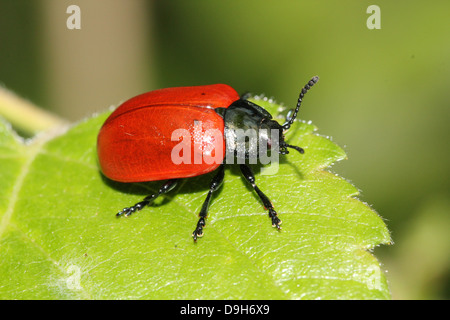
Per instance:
(243,115)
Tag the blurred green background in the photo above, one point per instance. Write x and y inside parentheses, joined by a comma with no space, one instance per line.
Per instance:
(383,94)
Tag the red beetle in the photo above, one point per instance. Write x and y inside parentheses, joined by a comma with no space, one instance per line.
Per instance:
(184,132)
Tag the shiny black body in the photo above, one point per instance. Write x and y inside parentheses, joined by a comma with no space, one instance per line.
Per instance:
(246,122)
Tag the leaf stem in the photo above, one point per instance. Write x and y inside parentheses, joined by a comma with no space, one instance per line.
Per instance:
(26,116)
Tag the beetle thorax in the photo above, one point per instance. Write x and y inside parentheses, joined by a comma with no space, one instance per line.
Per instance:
(250,133)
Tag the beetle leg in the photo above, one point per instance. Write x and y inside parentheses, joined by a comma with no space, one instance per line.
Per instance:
(216,182)
(250,177)
(166,187)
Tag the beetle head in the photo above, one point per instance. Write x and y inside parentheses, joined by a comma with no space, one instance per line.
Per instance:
(245,122)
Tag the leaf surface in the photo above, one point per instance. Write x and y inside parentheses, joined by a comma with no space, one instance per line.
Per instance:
(60,239)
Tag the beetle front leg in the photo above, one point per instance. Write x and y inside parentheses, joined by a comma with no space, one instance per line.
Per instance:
(166,187)
(216,182)
(250,177)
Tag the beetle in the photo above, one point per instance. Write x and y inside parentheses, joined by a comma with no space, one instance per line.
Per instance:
(136,142)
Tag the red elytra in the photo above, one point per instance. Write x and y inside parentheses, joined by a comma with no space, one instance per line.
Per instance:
(135,143)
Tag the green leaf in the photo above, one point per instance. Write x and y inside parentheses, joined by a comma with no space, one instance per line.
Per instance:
(60,239)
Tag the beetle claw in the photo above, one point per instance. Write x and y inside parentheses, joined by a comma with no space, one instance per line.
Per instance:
(198,232)
(137,207)
(124,211)
(275,220)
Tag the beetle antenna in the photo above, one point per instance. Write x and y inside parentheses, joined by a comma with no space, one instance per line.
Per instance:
(290,119)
